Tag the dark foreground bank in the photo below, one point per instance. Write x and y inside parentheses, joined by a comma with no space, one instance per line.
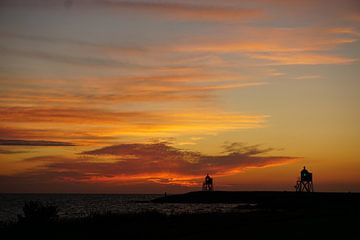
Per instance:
(267,199)
(271,220)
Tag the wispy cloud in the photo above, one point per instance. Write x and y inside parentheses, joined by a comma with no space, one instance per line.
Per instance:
(290,39)
(303,59)
(56,133)
(187,11)
(17,142)
(286,46)
(6,151)
(64,58)
(60,40)
(162,84)
(305,77)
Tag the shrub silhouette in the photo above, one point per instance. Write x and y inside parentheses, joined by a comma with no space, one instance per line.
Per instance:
(36,212)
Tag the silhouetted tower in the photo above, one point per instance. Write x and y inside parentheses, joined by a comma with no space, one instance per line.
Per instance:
(305,184)
(208,184)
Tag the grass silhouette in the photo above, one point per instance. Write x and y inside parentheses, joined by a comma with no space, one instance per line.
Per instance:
(36,212)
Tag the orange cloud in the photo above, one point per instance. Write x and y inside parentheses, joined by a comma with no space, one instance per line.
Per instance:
(82,125)
(354,17)
(133,163)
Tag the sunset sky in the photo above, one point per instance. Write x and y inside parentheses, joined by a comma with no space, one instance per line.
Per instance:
(111,96)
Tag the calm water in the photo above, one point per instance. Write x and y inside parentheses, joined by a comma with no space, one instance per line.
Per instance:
(77,205)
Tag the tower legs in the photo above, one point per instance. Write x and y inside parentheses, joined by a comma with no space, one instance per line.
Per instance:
(304,186)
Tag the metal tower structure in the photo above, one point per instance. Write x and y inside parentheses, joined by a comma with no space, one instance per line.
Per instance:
(208,184)
(305,184)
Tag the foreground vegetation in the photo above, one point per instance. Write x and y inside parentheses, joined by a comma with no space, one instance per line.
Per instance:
(41,221)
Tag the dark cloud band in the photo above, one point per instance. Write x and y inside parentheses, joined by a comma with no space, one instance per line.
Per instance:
(33,143)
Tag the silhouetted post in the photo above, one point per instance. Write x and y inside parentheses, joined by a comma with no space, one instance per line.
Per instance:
(305,184)
(208,184)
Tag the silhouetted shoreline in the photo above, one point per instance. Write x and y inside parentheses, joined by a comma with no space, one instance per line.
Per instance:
(265,198)
(258,215)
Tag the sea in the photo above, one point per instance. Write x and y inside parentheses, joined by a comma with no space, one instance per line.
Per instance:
(81,205)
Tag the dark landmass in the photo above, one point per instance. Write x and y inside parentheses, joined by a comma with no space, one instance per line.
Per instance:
(268,199)
(269,215)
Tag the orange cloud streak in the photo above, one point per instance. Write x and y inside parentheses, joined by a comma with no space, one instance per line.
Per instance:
(303,58)
(59,123)
(158,163)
